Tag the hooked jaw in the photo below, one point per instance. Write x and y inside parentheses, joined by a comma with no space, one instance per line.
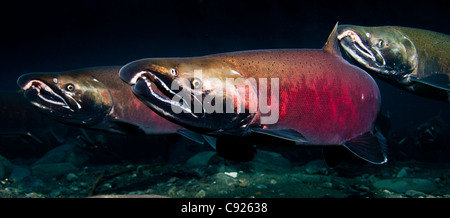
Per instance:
(352,38)
(153,85)
(360,49)
(158,95)
(41,95)
(147,84)
(87,104)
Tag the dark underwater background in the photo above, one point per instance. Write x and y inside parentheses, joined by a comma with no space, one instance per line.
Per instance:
(50,36)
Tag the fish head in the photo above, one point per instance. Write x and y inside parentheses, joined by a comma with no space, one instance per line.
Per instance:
(202,94)
(384,50)
(74,98)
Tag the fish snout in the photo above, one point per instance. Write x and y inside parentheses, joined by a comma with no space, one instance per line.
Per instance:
(350,31)
(40,93)
(131,72)
(24,81)
(27,81)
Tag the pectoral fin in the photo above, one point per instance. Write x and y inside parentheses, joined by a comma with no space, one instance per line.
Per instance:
(193,136)
(438,80)
(123,127)
(211,141)
(59,133)
(286,134)
(436,86)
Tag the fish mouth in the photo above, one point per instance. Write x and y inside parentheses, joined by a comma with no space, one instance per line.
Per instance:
(361,50)
(155,93)
(43,96)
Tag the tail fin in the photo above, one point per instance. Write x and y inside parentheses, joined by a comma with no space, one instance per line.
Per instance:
(369,147)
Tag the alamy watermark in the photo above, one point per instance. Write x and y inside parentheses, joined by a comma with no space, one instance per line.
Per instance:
(241,95)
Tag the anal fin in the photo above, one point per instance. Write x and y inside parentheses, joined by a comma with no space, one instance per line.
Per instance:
(368,147)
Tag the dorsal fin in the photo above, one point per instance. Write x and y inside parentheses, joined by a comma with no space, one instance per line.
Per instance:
(332,44)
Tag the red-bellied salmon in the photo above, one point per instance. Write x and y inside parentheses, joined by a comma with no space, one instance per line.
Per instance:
(316,97)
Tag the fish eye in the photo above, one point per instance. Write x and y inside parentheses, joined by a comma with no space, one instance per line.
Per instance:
(380,43)
(173,72)
(196,83)
(70,87)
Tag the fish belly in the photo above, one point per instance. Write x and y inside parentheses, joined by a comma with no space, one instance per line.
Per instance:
(328,104)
